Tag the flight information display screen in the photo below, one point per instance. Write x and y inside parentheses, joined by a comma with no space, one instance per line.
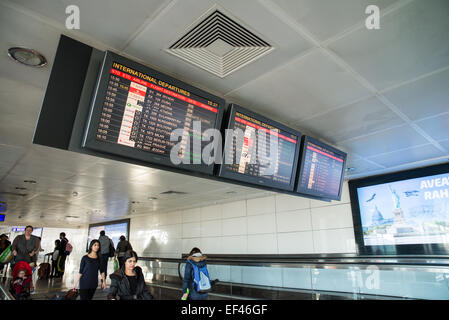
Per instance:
(137,110)
(259,150)
(322,170)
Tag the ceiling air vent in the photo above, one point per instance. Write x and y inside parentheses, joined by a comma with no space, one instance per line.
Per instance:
(220,45)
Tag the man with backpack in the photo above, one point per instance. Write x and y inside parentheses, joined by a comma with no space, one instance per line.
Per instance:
(107,250)
(196,282)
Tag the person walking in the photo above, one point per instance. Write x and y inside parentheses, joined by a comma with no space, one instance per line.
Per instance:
(106,246)
(25,247)
(90,265)
(195,276)
(122,247)
(128,282)
(54,259)
(62,256)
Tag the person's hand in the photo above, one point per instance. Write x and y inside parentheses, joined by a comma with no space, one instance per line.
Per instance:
(103,285)
(14,252)
(31,253)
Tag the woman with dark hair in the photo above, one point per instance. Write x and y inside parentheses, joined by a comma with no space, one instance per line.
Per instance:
(88,274)
(122,247)
(128,281)
(195,262)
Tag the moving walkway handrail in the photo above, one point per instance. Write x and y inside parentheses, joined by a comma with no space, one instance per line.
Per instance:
(319,261)
(6,293)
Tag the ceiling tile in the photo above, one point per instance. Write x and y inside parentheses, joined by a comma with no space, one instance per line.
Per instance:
(309,86)
(357,119)
(361,166)
(423,98)
(397,158)
(437,127)
(326,18)
(151,44)
(113,21)
(411,41)
(20,30)
(385,141)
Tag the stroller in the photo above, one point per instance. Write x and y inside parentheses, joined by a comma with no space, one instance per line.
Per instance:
(21,283)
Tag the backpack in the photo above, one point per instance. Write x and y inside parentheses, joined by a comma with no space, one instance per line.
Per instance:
(68,248)
(201,278)
(111,249)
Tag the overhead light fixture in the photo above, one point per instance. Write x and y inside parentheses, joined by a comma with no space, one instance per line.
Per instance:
(30,181)
(26,56)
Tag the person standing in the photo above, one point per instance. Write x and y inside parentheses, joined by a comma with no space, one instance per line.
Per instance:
(106,246)
(90,265)
(122,247)
(128,281)
(54,259)
(25,247)
(62,255)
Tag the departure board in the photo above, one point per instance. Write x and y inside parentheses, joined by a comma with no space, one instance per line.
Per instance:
(136,110)
(260,151)
(322,170)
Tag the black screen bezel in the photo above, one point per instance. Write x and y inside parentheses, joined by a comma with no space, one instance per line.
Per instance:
(225,173)
(304,142)
(403,249)
(90,140)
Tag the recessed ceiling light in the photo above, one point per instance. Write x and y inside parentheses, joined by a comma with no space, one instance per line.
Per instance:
(27,56)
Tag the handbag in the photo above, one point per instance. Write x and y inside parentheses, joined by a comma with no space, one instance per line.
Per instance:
(115,264)
(72,294)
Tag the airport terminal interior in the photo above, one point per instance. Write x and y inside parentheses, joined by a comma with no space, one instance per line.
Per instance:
(301,145)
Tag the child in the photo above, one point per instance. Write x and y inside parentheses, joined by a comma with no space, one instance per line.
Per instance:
(54,260)
(21,284)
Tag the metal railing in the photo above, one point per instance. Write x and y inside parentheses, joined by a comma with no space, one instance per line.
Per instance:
(4,293)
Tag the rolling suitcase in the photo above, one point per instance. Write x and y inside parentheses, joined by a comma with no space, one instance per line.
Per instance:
(44,269)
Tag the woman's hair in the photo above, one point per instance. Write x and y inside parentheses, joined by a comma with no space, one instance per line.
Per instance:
(94,241)
(194,250)
(29,227)
(128,255)
(122,238)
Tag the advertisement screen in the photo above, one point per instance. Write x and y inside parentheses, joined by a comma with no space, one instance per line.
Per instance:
(406,212)
(113,231)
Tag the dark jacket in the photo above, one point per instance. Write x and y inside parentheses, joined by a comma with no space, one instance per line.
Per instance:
(122,247)
(120,286)
(188,282)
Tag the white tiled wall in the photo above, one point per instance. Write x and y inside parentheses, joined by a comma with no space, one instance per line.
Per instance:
(277,224)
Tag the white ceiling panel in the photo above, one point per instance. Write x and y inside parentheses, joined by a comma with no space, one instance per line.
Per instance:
(444,144)
(308,86)
(411,41)
(10,155)
(357,119)
(385,141)
(396,158)
(423,98)
(361,166)
(170,26)
(437,127)
(112,22)
(19,30)
(327,18)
